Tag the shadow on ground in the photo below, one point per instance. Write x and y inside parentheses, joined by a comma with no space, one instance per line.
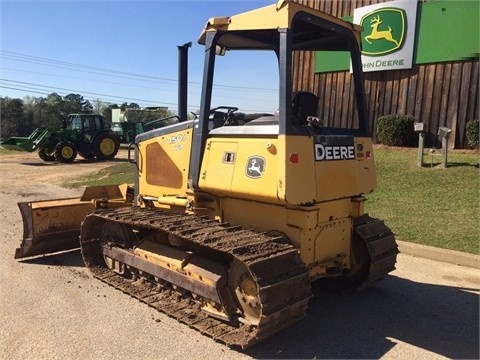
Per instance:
(439,319)
(66,258)
(77,161)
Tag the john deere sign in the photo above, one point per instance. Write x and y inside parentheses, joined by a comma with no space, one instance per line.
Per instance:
(447,30)
(383,39)
(388,35)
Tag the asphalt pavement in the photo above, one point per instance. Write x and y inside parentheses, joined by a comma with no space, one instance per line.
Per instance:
(52,308)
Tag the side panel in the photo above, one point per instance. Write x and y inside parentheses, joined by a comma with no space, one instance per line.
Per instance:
(293,170)
(297,174)
(163,163)
(344,167)
(242,167)
(221,158)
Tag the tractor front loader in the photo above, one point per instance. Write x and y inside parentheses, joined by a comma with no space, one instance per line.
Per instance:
(37,139)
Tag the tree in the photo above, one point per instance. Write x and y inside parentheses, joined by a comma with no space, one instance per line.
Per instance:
(75,103)
(52,111)
(30,105)
(98,106)
(133,106)
(13,120)
(130,106)
(22,117)
(87,108)
(40,112)
(54,100)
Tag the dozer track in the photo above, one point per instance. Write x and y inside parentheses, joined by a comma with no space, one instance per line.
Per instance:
(381,247)
(374,254)
(279,293)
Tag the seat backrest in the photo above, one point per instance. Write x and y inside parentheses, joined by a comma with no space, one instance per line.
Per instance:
(218,119)
(304,104)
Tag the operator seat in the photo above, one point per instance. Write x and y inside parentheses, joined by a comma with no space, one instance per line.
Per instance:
(218,119)
(304,104)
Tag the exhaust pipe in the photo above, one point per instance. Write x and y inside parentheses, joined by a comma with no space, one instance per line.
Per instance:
(183,80)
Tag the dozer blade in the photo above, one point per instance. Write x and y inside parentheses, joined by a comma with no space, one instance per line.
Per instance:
(53,225)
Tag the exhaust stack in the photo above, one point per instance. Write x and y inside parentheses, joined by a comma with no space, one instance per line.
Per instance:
(183,80)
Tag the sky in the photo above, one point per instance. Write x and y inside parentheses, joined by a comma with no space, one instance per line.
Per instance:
(126,51)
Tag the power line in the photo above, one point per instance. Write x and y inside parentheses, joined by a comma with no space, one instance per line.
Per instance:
(90,99)
(77,67)
(96,80)
(129,85)
(191,108)
(27,86)
(75,91)
(221,93)
(108,72)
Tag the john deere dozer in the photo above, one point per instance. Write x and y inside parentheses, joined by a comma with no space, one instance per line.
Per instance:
(231,223)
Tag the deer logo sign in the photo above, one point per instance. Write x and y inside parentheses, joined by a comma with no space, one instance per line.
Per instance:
(384,31)
(376,34)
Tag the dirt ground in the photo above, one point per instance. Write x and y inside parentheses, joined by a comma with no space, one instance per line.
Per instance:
(52,308)
(46,304)
(30,168)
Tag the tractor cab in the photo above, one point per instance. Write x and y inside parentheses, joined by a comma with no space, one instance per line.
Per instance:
(86,124)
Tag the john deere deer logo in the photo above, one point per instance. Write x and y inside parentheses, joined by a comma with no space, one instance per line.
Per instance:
(376,34)
(255,167)
(384,31)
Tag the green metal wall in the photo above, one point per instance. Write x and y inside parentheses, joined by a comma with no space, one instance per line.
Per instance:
(447,30)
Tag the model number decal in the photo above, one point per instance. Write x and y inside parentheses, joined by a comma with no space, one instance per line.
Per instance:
(174,139)
(334,152)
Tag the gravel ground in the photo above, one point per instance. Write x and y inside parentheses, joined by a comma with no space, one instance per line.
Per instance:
(52,308)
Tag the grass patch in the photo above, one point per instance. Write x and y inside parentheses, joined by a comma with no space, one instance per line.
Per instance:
(120,173)
(430,205)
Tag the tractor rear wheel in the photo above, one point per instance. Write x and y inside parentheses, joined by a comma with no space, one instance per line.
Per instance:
(65,152)
(106,146)
(42,154)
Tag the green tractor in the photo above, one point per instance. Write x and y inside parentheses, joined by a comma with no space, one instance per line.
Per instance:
(84,134)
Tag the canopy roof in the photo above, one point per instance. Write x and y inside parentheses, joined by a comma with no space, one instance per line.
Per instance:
(258,29)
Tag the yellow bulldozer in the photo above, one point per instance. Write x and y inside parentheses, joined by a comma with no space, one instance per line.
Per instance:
(230,219)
